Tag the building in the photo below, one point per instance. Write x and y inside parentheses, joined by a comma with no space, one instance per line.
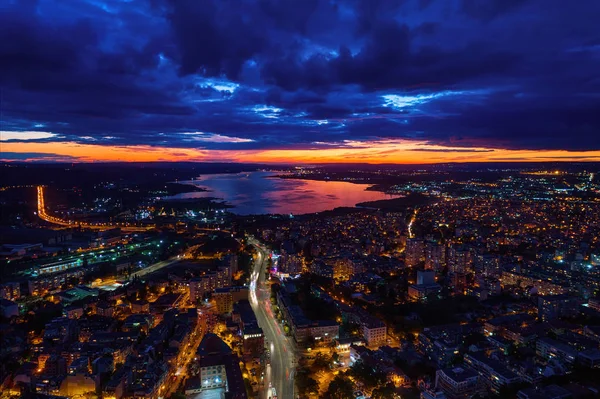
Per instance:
(548,348)
(374,331)
(117,385)
(415,252)
(457,383)
(219,368)
(300,326)
(10,252)
(77,385)
(73,311)
(253,344)
(594,304)
(227,296)
(429,394)
(441,343)
(43,284)
(459,259)
(425,277)
(554,306)
(547,392)
(418,292)
(105,309)
(541,286)
(253,338)
(324,330)
(320,268)
(493,373)
(60,330)
(592,332)
(458,280)
(290,264)
(10,291)
(499,324)
(488,265)
(201,287)
(141,306)
(589,358)
(346,266)
(232,261)
(435,256)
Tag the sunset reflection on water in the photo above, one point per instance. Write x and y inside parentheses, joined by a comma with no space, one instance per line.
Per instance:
(260,193)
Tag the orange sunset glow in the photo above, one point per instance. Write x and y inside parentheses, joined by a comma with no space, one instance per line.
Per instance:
(385,151)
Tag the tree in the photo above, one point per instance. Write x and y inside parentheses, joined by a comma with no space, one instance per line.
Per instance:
(310,341)
(367,375)
(335,357)
(306,384)
(320,363)
(340,388)
(385,392)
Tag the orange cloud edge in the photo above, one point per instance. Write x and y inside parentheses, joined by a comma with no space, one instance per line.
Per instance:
(382,151)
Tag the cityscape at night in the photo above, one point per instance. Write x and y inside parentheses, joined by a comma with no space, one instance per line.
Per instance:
(300,199)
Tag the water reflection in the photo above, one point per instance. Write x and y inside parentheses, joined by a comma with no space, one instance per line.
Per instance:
(259,193)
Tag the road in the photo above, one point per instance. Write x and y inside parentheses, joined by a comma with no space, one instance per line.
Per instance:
(281,371)
(179,372)
(124,226)
(155,266)
(41,212)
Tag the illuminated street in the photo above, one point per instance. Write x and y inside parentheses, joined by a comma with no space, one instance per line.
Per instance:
(281,371)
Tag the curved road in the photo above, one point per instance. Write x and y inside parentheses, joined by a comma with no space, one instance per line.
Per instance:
(41,205)
(281,371)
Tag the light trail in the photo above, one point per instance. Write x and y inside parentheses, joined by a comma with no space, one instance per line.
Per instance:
(410,224)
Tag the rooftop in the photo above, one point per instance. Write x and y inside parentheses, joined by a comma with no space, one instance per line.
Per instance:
(212,345)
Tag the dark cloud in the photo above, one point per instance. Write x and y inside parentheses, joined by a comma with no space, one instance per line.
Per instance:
(267,74)
(489,9)
(214,38)
(34,156)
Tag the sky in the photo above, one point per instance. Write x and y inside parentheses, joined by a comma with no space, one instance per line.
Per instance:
(300,81)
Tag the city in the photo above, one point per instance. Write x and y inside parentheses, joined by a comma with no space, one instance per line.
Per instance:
(453,288)
(300,199)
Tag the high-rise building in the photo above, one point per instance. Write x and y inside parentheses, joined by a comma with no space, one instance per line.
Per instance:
(435,256)
(459,281)
(232,261)
(459,259)
(415,251)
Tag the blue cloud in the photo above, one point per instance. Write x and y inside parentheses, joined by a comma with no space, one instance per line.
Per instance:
(250,74)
